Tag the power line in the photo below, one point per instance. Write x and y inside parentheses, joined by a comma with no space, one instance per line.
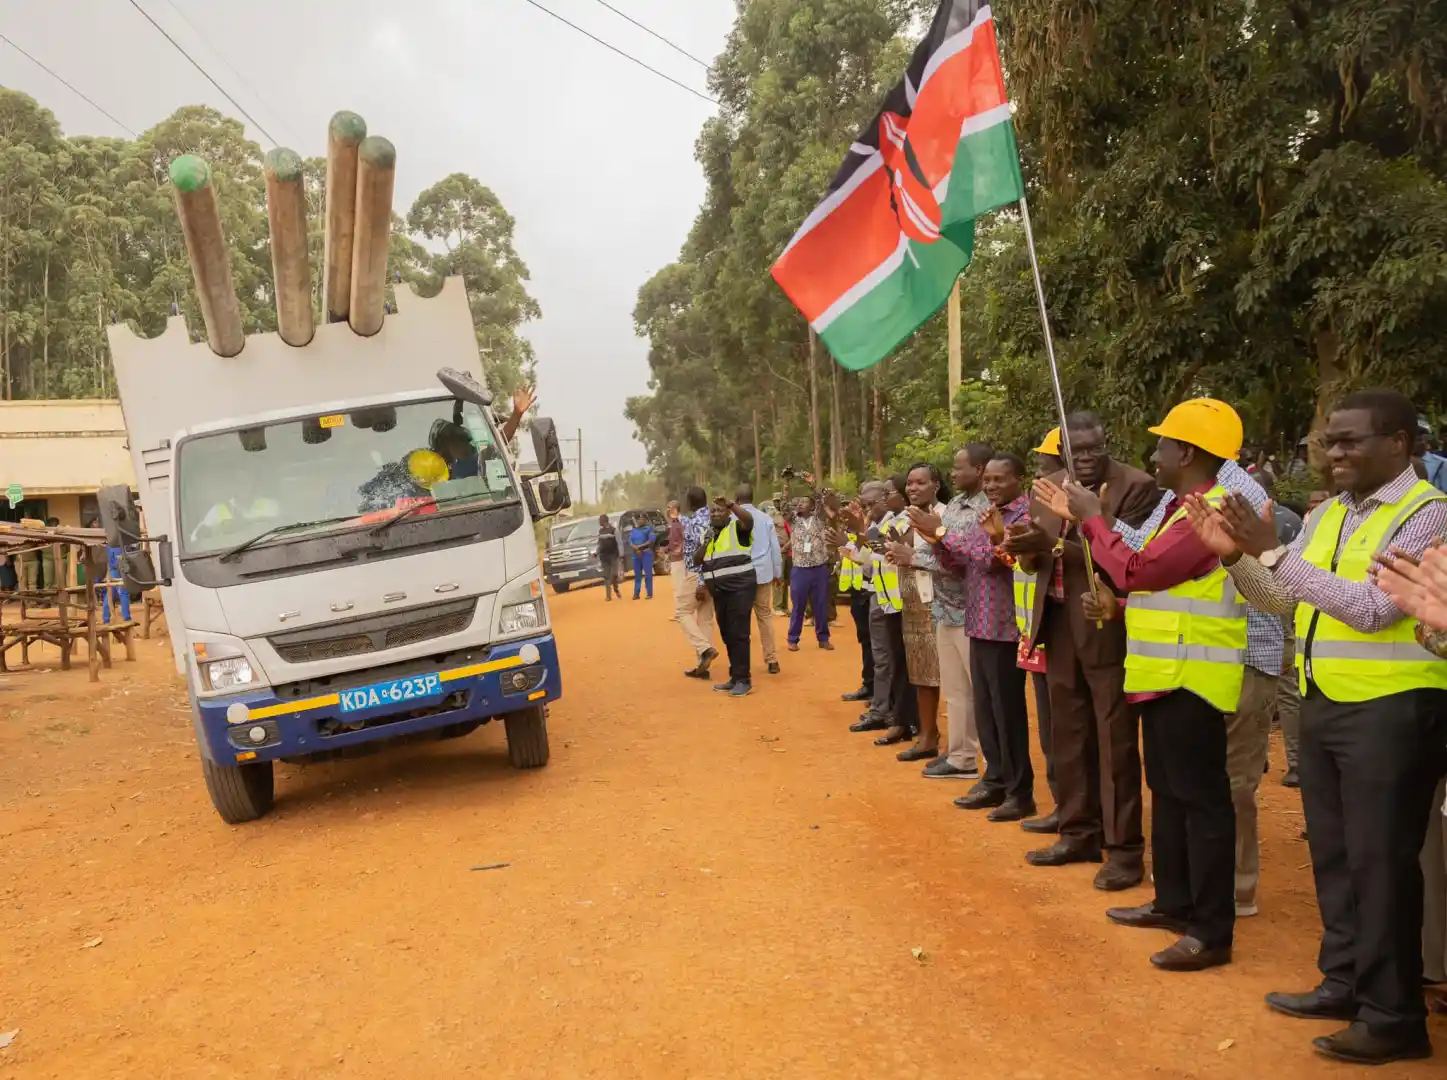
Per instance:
(254,122)
(276,113)
(620,52)
(68,86)
(647,30)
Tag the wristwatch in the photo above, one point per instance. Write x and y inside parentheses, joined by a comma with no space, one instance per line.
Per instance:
(1269,559)
(940,534)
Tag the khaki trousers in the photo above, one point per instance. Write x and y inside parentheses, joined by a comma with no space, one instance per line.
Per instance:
(963,746)
(764,617)
(694,616)
(1248,734)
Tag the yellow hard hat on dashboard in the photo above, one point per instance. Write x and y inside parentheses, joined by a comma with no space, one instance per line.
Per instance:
(1050,444)
(427,467)
(1205,422)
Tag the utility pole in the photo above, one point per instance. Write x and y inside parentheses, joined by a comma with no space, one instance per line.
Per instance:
(578,456)
(596,496)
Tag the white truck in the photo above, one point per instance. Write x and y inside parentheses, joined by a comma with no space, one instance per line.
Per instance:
(345,551)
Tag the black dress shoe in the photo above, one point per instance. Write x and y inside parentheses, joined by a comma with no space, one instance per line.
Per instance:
(1063,853)
(1313,1005)
(1046,825)
(773,667)
(1145,917)
(696,673)
(1189,954)
(918,753)
(870,723)
(1359,1046)
(981,800)
(1291,779)
(859,695)
(1012,809)
(1116,876)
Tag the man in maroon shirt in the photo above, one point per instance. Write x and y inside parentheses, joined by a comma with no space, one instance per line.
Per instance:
(1193,818)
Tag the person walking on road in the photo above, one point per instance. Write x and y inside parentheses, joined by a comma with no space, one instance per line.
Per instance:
(726,569)
(768,568)
(692,604)
(608,557)
(641,539)
(809,580)
(1373,719)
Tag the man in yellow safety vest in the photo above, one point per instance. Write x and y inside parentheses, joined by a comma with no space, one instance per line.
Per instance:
(1185,661)
(860,587)
(726,569)
(1373,720)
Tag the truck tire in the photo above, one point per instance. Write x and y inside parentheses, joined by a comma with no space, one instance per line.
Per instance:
(527,737)
(240,793)
(560,586)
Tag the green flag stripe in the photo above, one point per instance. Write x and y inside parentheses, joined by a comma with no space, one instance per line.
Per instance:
(985,175)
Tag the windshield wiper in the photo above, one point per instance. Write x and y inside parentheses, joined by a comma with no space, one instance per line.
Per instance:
(278,531)
(417,508)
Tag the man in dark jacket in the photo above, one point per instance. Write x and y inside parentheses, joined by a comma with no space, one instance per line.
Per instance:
(1094,732)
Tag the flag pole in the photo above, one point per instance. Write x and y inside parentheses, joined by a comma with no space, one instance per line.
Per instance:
(1065,450)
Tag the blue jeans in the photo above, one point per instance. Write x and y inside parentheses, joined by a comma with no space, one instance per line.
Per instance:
(642,572)
(811,584)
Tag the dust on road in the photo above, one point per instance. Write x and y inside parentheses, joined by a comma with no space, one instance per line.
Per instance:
(697,887)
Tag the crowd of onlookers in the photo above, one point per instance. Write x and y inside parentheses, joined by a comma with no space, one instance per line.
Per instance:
(1163,626)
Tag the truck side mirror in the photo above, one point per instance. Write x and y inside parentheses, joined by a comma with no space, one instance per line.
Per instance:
(465,387)
(546,450)
(119,516)
(546,495)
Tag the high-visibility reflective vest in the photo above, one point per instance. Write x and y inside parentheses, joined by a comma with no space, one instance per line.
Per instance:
(1347,665)
(851,574)
(1190,637)
(886,574)
(725,557)
(1024,601)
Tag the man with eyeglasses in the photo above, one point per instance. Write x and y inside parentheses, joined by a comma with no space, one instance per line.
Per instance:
(1373,719)
(1094,730)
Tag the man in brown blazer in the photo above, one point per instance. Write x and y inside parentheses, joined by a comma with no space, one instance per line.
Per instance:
(1096,746)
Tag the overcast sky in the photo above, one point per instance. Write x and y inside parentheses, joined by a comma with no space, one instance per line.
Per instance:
(592,155)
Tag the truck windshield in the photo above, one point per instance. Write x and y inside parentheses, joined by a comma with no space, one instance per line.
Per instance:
(575,532)
(303,477)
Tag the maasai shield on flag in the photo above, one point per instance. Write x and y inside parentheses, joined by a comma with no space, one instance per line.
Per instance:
(880,254)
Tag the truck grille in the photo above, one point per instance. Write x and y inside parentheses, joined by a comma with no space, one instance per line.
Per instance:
(374,633)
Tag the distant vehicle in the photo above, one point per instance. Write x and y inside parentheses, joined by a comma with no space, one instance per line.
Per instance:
(571,557)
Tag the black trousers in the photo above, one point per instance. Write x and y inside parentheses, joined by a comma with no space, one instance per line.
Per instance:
(1193,820)
(734,610)
(1042,723)
(1369,771)
(1000,710)
(859,604)
(903,704)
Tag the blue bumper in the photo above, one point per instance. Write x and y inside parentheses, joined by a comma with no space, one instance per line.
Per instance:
(293,728)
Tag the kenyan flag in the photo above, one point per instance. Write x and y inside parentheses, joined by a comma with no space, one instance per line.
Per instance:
(880,254)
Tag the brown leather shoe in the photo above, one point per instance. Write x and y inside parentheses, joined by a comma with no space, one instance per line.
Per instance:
(1115,876)
(1189,954)
(1012,809)
(1356,1044)
(1146,917)
(1064,852)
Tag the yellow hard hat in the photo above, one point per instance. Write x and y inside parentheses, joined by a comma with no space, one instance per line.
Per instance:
(1205,422)
(1051,443)
(427,467)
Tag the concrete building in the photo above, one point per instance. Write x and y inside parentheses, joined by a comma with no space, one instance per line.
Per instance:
(59,453)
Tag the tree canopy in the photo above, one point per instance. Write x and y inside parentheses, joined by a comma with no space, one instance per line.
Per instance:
(89,234)
(1243,198)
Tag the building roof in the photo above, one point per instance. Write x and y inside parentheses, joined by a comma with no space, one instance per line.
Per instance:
(63,447)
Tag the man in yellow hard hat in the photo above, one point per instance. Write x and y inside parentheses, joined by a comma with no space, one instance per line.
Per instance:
(1047,454)
(1185,659)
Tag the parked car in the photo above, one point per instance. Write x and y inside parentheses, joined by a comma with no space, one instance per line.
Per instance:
(571,557)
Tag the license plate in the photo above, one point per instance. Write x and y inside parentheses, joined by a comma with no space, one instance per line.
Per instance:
(396,692)
(570,574)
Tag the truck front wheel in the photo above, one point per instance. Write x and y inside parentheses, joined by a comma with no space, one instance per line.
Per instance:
(527,737)
(240,793)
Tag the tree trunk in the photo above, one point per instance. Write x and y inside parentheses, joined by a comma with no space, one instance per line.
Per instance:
(861,382)
(836,423)
(45,333)
(758,461)
(814,403)
(878,420)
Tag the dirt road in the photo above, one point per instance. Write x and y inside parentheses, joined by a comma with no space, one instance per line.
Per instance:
(697,887)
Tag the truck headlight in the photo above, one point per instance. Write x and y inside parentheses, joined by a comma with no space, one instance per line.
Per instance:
(519,617)
(221,668)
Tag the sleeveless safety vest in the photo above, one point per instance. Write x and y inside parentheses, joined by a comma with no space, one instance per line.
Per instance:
(725,556)
(1190,637)
(1024,601)
(851,574)
(886,575)
(1347,665)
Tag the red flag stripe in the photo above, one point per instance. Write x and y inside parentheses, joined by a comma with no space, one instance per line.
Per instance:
(861,231)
